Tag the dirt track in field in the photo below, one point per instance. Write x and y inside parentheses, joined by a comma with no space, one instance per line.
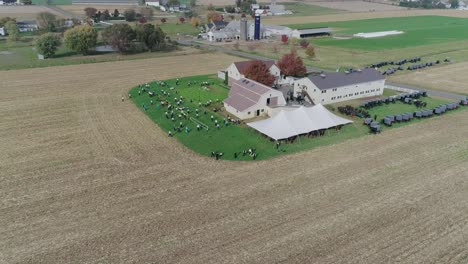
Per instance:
(283,20)
(86,178)
(451,78)
(25,12)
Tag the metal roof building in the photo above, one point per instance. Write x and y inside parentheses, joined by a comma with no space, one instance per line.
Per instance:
(311,32)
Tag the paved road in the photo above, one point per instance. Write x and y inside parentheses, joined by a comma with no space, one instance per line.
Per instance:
(430,92)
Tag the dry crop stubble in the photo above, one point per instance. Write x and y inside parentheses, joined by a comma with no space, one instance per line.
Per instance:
(87,178)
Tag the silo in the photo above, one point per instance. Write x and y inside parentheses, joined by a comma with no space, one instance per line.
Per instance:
(257,28)
(243,29)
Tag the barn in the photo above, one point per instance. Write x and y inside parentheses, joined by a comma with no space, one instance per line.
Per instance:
(333,87)
(248,99)
(311,32)
(236,69)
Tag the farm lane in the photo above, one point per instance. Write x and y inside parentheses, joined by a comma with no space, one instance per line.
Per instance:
(88,178)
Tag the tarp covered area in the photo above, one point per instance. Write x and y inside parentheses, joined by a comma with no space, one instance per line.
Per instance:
(302,120)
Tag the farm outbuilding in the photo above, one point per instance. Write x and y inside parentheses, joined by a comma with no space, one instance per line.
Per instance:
(303,120)
(333,87)
(311,32)
(248,99)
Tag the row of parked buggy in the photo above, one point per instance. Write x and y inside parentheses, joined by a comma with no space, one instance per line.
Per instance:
(397,62)
(405,98)
(351,111)
(390,119)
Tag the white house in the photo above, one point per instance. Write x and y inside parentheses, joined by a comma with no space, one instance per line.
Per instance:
(248,99)
(333,87)
(152,3)
(2,31)
(236,69)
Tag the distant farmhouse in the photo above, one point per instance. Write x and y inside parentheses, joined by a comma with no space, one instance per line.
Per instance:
(9,2)
(236,69)
(23,26)
(332,87)
(216,25)
(27,26)
(154,3)
(248,99)
(243,30)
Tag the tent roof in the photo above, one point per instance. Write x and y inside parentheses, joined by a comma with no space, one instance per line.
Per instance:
(302,120)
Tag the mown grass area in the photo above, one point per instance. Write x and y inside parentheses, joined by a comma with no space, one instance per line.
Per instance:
(228,139)
(52,2)
(172,28)
(418,31)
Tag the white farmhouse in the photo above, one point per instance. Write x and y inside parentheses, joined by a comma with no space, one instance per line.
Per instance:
(336,87)
(236,69)
(154,3)
(248,99)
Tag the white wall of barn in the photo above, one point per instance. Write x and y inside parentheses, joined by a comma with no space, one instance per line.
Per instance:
(339,94)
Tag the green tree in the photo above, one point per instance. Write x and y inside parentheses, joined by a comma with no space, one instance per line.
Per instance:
(310,51)
(47,21)
(130,15)
(4,20)
(47,44)
(81,38)
(454,3)
(153,37)
(119,36)
(26,2)
(90,12)
(12,30)
(116,13)
(173,2)
(193,3)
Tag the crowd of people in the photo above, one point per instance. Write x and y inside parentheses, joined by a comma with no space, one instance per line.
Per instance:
(181,111)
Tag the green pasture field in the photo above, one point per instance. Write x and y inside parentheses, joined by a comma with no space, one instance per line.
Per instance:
(302,9)
(232,138)
(418,31)
(172,28)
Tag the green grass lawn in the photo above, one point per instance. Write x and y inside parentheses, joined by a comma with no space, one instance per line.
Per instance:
(171,28)
(419,31)
(52,2)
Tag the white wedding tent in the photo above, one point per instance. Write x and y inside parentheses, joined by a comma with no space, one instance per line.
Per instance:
(302,120)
